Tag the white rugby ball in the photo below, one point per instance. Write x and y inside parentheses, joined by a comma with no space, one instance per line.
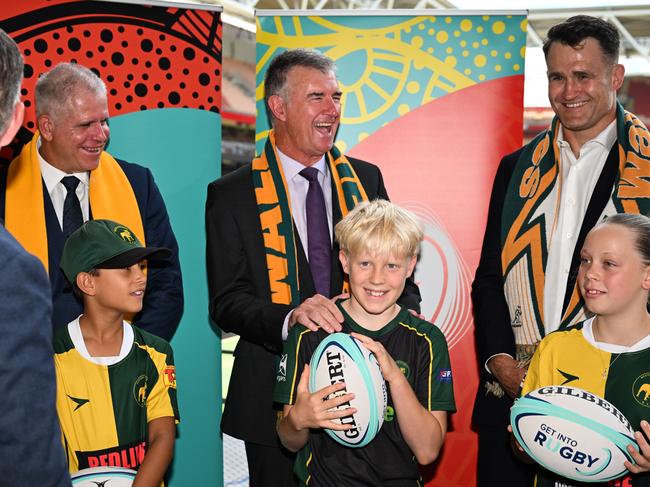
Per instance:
(573,433)
(342,358)
(107,476)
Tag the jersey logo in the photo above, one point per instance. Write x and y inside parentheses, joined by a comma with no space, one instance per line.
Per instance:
(140,392)
(567,377)
(100,484)
(444,376)
(169,376)
(641,389)
(516,321)
(281,376)
(79,402)
(404,367)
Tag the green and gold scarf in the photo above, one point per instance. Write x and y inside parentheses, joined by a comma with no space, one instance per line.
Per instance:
(274,208)
(525,231)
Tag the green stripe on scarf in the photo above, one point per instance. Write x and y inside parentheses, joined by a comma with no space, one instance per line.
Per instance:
(523,235)
(274,207)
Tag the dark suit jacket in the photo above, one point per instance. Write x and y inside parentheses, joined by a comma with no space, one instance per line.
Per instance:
(163,301)
(240,300)
(30,447)
(491,316)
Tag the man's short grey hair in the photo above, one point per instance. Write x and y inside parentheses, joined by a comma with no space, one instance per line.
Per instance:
(276,75)
(55,88)
(11,77)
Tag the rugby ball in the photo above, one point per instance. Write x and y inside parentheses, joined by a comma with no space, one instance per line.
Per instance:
(107,476)
(573,433)
(342,358)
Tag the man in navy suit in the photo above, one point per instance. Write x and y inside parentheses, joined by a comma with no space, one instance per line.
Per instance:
(30,438)
(64,177)
(304,101)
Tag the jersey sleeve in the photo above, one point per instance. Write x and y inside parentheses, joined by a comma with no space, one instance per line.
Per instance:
(434,387)
(292,362)
(162,399)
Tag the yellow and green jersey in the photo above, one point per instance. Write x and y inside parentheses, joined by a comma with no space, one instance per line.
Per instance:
(104,410)
(571,357)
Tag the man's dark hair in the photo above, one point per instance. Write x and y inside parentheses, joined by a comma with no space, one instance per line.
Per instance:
(276,75)
(11,77)
(575,30)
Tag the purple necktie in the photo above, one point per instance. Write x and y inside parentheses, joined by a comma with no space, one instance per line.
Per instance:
(319,245)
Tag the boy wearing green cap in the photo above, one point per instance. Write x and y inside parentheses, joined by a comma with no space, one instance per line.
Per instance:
(116,384)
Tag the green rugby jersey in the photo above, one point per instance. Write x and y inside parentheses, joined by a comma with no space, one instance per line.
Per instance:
(420,350)
(104,409)
(566,357)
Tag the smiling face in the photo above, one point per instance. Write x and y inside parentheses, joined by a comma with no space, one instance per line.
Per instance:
(376,282)
(73,138)
(612,277)
(582,87)
(306,114)
(119,290)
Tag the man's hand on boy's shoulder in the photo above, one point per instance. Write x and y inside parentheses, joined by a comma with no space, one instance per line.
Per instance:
(318,312)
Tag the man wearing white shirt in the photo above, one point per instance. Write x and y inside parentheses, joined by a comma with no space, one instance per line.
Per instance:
(545,198)
(261,246)
(64,177)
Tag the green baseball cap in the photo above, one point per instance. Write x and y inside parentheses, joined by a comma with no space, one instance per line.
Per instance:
(105,244)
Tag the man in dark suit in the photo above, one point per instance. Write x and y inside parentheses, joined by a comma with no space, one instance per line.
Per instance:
(545,199)
(30,438)
(64,177)
(263,264)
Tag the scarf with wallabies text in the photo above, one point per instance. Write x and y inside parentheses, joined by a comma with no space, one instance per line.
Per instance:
(274,208)
(526,230)
(110,193)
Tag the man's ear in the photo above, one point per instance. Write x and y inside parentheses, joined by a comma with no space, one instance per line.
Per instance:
(278,107)
(14,124)
(618,76)
(345,262)
(86,283)
(411,265)
(45,126)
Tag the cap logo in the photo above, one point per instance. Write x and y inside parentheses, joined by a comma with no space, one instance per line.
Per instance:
(124,233)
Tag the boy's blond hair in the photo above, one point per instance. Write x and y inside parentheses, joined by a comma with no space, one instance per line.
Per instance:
(379,227)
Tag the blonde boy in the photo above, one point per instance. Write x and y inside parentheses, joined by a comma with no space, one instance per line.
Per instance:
(116,384)
(379,244)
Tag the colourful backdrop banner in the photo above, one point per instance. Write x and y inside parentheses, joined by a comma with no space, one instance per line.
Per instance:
(435,99)
(162,67)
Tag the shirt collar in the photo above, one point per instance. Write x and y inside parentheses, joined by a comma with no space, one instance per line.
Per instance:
(291,167)
(606,138)
(53,175)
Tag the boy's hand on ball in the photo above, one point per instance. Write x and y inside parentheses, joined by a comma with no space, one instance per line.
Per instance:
(389,368)
(642,457)
(317,410)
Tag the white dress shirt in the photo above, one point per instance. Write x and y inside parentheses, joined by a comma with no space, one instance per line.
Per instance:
(297,187)
(52,178)
(578,178)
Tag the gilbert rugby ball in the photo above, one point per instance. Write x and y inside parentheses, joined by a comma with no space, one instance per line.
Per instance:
(342,358)
(107,476)
(573,433)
